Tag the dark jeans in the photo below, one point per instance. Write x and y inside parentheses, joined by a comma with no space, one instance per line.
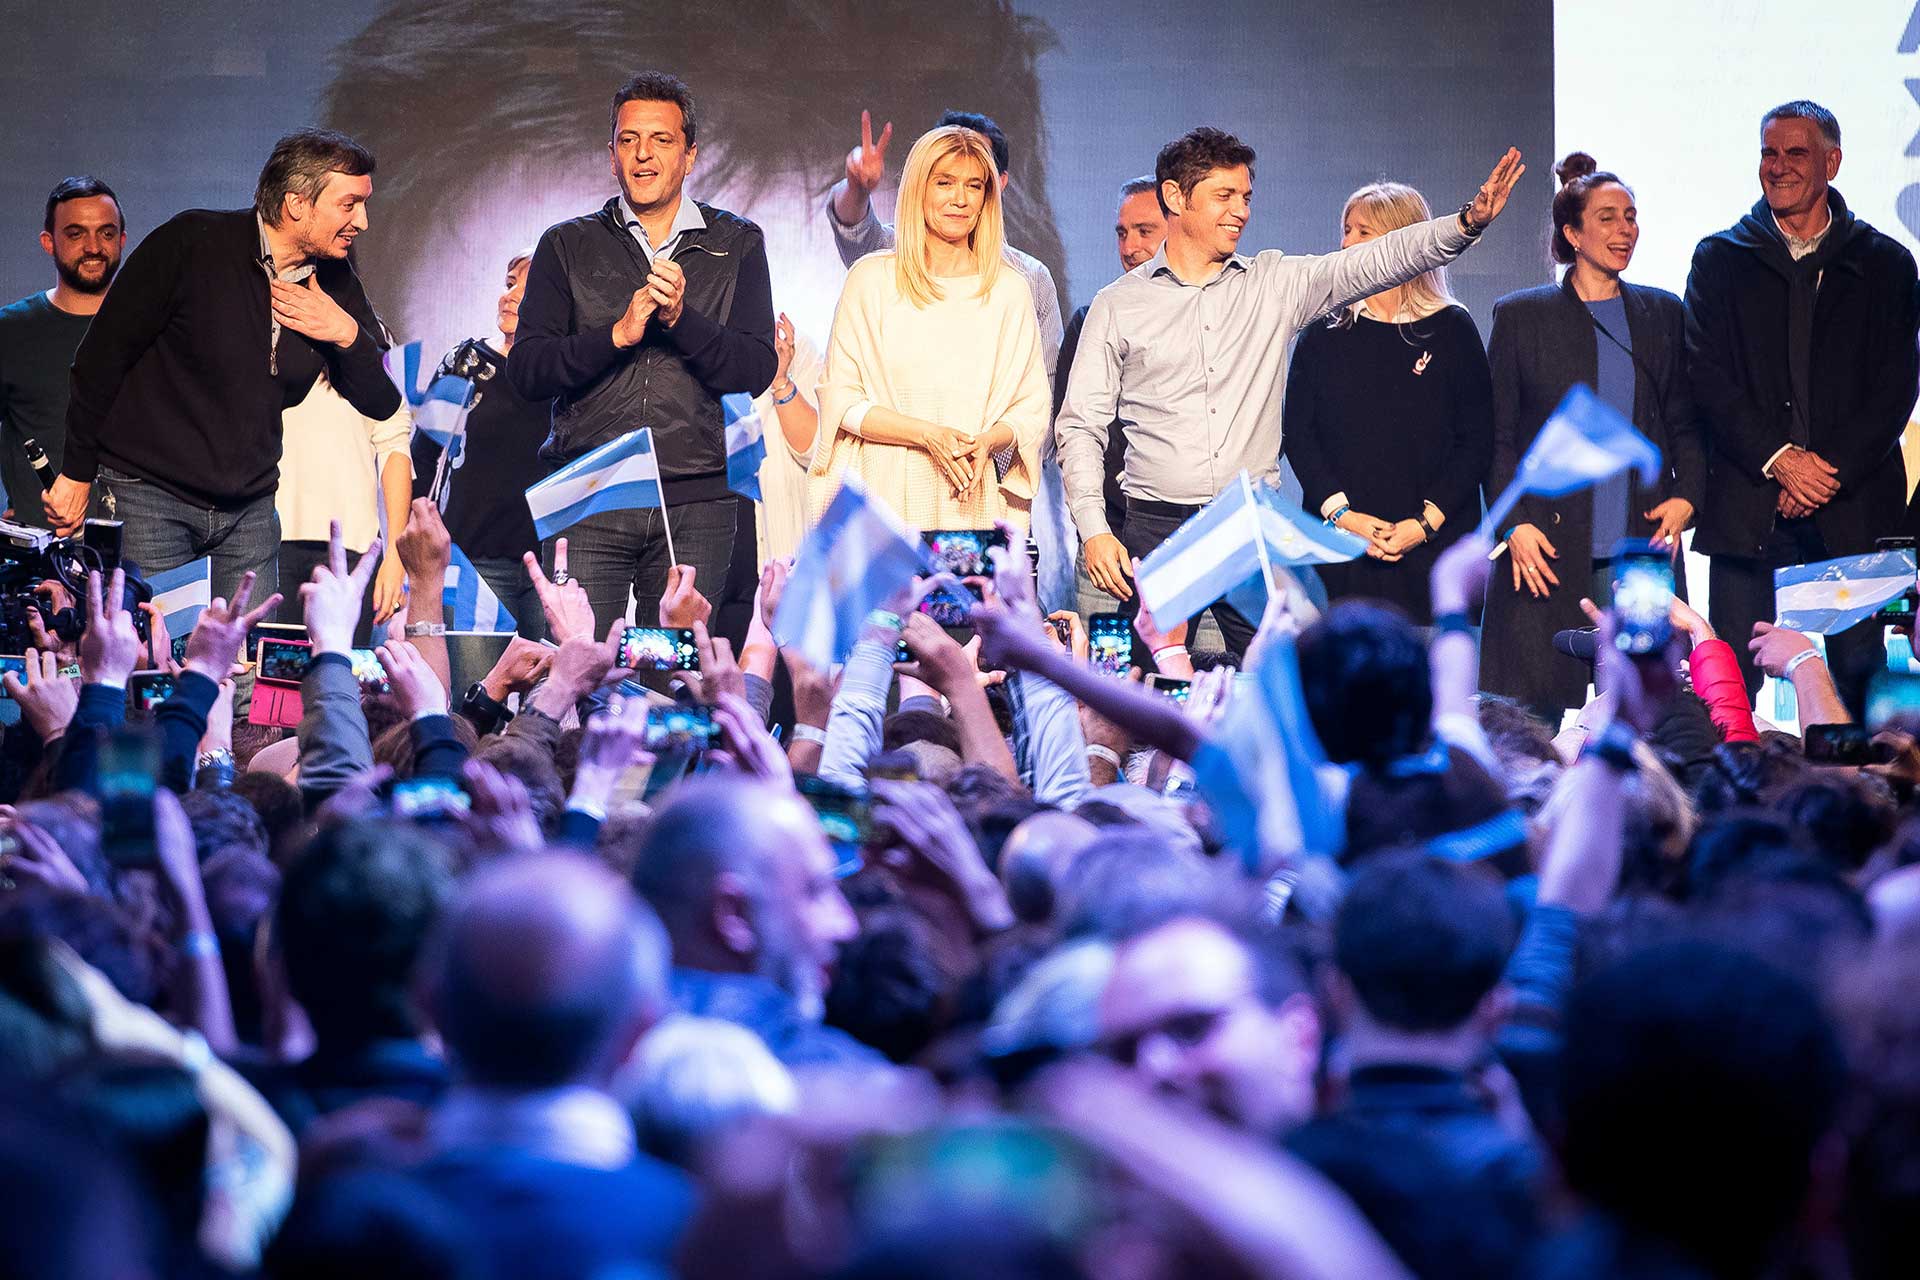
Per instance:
(507,578)
(163,532)
(1740,593)
(1148,525)
(298,560)
(617,552)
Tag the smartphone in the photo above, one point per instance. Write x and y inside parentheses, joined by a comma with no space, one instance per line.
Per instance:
(1170,686)
(1846,744)
(1063,628)
(1642,597)
(16,664)
(962,552)
(951,609)
(369,672)
(659,649)
(680,721)
(129,763)
(1110,643)
(270,631)
(429,798)
(283,661)
(146,690)
(180,648)
(845,816)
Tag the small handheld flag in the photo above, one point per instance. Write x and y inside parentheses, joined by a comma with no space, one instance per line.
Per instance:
(1584,441)
(1829,596)
(621,475)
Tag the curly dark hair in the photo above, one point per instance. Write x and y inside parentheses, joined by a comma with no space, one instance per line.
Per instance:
(1189,158)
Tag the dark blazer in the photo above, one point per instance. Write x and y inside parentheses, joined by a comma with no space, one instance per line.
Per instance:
(1862,369)
(1544,342)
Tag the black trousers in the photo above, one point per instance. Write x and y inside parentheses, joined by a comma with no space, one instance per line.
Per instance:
(617,552)
(1740,590)
(1149,524)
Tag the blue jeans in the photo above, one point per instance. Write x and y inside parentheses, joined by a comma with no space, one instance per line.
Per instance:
(507,578)
(617,552)
(163,532)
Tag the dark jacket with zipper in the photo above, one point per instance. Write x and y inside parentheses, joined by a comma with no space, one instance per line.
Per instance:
(177,383)
(1544,341)
(583,275)
(1844,390)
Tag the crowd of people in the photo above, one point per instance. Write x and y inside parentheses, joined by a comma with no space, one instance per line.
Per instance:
(963,957)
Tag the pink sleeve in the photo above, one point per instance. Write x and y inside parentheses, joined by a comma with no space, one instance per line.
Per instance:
(1716,678)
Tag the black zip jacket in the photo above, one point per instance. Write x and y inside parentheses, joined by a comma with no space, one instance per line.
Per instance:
(173,382)
(584,273)
(1857,363)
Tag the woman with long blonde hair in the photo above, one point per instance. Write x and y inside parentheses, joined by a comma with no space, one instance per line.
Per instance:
(1389,417)
(935,392)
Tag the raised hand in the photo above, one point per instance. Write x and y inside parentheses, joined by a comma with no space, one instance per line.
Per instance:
(159,640)
(615,740)
(418,690)
(110,649)
(782,347)
(681,605)
(425,547)
(1493,193)
(867,163)
(564,601)
(331,602)
(747,744)
(221,632)
(47,700)
(719,672)
(520,667)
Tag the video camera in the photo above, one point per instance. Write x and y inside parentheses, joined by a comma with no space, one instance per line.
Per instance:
(30,556)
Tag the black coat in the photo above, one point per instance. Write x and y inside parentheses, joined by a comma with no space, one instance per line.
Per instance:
(1543,343)
(1861,376)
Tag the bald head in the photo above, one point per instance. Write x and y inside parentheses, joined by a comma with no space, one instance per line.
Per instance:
(545,970)
(1036,857)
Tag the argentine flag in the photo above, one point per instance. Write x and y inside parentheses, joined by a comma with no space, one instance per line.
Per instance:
(469,603)
(182,594)
(746,445)
(441,414)
(856,559)
(1260,769)
(1829,596)
(621,475)
(1231,547)
(403,367)
(1583,442)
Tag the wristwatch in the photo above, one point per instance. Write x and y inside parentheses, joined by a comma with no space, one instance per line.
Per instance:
(480,707)
(426,628)
(1467,224)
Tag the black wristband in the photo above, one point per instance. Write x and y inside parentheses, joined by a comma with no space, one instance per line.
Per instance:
(1613,747)
(1468,226)
(1452,621)
(479,707)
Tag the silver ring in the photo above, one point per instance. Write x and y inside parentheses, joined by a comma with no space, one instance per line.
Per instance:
(562,579)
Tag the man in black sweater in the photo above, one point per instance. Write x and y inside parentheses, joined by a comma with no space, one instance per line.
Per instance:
(644,314)
(85,231)
(218,321)
(1801,323)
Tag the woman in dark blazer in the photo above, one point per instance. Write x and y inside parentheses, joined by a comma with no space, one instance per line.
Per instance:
(1627,342)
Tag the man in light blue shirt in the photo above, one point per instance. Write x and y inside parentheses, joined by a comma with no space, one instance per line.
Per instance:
(1189,350)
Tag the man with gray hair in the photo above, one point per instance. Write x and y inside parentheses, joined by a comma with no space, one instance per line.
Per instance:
(218,322)
(1801,324)
(744,880)
(542,976)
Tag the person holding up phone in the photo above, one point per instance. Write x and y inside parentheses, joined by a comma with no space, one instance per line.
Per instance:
(935,393)
(1628,342)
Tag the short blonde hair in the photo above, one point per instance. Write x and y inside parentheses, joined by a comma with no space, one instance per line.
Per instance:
(916,281)
(1390,206)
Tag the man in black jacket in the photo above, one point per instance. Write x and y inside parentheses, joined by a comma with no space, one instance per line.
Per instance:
(217,322)
(644,314)
(1801,323)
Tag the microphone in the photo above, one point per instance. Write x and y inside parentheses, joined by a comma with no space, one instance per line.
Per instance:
(37,459)
(1579,643)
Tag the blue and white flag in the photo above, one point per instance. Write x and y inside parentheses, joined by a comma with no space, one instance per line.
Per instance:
(856,559)
(1584,441)
(1231,548)
(403,367)
(746,445)
(1831,595)
(1260,769)
(182,594)
(441,415)
(469,603)
(621,475)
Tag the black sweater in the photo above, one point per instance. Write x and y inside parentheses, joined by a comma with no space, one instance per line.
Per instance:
(584,273)
(172,384)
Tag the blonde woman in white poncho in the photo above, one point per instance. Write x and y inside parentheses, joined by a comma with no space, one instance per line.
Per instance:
(935,393)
